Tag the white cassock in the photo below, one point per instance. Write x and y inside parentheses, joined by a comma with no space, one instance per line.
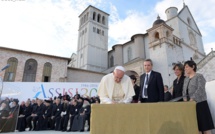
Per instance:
(109,90)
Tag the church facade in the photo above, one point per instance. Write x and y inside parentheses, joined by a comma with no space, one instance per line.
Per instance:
(167,42)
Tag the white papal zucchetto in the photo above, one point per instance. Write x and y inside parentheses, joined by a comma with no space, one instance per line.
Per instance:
(120,68)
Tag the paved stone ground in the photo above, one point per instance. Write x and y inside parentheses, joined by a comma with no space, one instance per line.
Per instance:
(47,132)
(57,132)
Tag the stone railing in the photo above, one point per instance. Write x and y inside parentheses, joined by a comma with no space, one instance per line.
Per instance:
(206,59)
(175,41)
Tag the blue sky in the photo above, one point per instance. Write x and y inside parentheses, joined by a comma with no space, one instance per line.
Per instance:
(138,5)
(51,26)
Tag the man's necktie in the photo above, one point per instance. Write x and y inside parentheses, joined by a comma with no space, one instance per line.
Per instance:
(146,85)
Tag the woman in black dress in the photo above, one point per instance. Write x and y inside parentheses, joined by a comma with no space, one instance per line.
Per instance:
(178,82)
(194,89)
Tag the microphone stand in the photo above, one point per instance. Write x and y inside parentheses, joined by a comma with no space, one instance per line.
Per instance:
(1,80)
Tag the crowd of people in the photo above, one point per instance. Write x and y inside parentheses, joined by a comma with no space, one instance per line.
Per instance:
(188,86)
(62,113)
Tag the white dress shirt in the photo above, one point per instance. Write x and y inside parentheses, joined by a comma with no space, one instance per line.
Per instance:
(145,85)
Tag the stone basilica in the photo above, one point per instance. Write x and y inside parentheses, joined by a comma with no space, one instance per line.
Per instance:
(167,42)
(176,39)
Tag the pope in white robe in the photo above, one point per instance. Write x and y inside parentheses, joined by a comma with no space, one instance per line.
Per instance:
(116,87)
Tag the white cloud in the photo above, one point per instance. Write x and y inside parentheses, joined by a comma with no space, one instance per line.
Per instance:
(51,26)
(121,30)
(209,46)
(161,6)
(44,26)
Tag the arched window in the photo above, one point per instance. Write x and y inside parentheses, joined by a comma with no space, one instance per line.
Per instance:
(129,52)
(94,29)
(111,61)
(82,19)
(156,35)
(174,40)
(188,21)
(47,70)
(98,19)
(10,72)
(167,33)
(85,18)
(103,20)
(30,71)
(94,15)
(192,39)
(98,31)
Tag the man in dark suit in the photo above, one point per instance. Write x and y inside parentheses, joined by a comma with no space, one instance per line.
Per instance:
(35,116)
(80,119)
(24,112)
(45,121)
(55,118)
(64,115)
(73,111)
(151,84)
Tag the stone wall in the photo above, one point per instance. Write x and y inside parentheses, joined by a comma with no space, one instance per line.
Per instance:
(207,67)
(59,64)
(81,75)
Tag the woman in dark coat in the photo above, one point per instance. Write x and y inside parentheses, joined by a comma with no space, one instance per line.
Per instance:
(136,88)
(178,82)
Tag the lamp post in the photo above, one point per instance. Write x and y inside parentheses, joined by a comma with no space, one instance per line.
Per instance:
(1,80)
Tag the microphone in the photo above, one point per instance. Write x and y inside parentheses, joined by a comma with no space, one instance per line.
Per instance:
(8,65)
(177,99)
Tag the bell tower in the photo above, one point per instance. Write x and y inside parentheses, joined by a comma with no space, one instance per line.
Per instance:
(92,50)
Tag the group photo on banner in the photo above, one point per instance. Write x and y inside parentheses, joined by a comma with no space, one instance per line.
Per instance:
(22,103)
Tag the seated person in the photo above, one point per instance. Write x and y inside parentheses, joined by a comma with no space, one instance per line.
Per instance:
(45,120)
(35,116)
(56,111)
(4,113)
(80,119)
(64,115)
(10,120)
(24,112)
(73,110)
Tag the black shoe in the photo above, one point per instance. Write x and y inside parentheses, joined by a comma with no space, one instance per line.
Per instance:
(82,130)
